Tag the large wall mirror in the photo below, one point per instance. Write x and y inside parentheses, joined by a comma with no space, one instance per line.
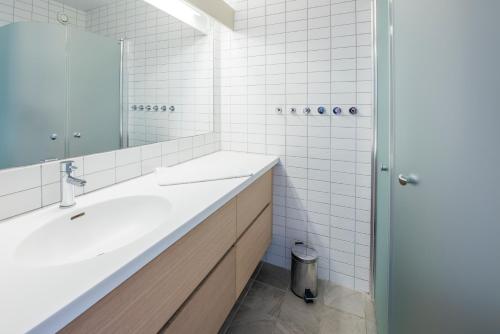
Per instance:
(88,76)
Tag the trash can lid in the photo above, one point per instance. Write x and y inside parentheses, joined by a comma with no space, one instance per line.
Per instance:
(304,253)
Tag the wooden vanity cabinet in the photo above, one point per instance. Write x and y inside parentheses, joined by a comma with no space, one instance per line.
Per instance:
(252,201)
(206,310)
(252,246)
(191,286)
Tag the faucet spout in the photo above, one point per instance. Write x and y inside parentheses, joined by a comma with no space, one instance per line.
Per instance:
(68,183)
(76,181)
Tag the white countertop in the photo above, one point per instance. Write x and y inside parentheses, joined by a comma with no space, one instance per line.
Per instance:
(45,299)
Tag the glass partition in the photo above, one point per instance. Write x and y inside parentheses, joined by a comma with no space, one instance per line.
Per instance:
(94,94)
(32,93)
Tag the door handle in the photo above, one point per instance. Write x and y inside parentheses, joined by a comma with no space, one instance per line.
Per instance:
(410,179)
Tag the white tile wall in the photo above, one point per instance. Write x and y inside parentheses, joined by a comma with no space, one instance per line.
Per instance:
(28,188)
(39,11)
(168,63)
(298,53)
(283,53)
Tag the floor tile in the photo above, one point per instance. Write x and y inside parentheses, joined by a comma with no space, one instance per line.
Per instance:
(279,328)
(262,303)
(271,307)
(275,276)
(297,317)
(343,299)
(256,327)
(337,322)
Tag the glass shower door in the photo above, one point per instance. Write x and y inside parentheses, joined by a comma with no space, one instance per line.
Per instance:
(32,93)
(94,95)
(445,228)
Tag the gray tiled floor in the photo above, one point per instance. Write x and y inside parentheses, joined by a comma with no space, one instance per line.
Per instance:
(267,306)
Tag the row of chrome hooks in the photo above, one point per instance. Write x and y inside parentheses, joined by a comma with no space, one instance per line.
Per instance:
(149,108)
(321,110)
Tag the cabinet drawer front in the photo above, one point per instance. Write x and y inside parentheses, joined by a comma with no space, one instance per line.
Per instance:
(145,302)
(251,247)
(253,200)
(207,309)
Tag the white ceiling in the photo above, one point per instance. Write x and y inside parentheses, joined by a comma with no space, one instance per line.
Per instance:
(86,4)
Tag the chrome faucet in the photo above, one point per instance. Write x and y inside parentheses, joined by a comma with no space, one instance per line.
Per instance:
(68,183)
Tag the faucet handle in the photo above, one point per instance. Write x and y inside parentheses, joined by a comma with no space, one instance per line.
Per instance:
(67,166)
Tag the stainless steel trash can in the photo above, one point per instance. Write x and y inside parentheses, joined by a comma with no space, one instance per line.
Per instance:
(304,272)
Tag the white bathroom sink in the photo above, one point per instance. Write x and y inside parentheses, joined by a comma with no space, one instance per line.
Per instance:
(91,231)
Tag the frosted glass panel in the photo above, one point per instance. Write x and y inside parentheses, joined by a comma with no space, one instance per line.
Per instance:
(445,230)
(94,97)
(32,93)
(59,93)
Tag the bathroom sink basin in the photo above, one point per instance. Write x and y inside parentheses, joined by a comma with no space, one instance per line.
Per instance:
(91,231)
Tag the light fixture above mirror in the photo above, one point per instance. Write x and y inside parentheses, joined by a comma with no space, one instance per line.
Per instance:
(184,12)
(196,13)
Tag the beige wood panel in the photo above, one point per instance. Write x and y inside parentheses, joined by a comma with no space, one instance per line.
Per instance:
(251,247)
(253,200)
(207,309)
(147,300)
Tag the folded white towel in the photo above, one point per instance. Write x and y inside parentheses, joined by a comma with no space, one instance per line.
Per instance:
(174,175)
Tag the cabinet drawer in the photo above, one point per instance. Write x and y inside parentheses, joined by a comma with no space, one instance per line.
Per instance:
(147,300)
(253,200)
(251,247)
(207,309)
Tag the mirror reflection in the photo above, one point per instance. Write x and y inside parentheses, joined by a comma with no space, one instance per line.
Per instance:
(81,77)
